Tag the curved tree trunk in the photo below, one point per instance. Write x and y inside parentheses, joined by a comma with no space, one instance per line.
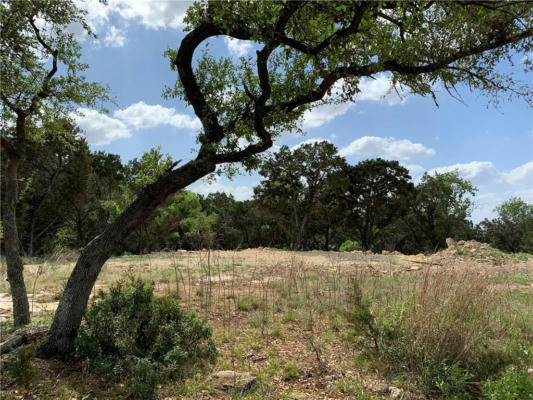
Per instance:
(69,313)
(15,266)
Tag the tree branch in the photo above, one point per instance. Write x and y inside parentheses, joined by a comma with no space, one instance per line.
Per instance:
(313,51)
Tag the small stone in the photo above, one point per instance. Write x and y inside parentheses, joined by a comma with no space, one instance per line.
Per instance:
(298,396)
(380,388)
(395,393)
(450,242)
(231,380)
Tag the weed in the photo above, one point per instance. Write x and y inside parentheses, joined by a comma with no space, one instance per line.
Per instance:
(291,371)
(19,368)
(353,388)
(277,332)
(513,384)
(248,303)
(290,316)
(328,337)
(258,320)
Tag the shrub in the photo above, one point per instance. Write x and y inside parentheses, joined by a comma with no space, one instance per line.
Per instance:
(127,331)
(350,245)
(513,384)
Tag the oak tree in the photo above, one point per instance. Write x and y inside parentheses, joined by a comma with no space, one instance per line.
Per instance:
(41,76)
(379,192)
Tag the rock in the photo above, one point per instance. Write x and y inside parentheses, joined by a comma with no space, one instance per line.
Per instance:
(450,242)
(400,394)
(231,380)
(385,252)
(395,393)
(380,388)
(298,396)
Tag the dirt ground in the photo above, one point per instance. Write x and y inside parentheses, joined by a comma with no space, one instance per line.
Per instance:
(217,284)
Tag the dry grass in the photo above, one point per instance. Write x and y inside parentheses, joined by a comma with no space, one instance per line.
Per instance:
(272,310)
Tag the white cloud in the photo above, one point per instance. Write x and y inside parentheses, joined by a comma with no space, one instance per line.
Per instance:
(522,175)
(160,14)
(115,37)
(379,89)
(238,47)
(480,173)
(144,116)
(416,171)
(99,129)
(386,147)
(484,173)
(152,14)
(309,141)
(239,192)
(485,203)
(320,115)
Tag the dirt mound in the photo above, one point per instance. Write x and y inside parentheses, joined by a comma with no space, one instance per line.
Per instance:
(481,252)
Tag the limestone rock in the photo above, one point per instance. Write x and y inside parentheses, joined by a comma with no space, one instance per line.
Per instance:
(380,388)
(395,393)
(450,242)
(232,380)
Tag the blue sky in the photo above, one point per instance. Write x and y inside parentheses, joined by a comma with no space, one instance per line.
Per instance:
(492,147)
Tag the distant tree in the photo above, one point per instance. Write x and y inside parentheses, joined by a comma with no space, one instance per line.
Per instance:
(303,50)
(231,222)
(54,177)
(138,174)
(512,230)
(331,209)
(441,209)
(88,215)
(35,45)
(293,182)
(379,192)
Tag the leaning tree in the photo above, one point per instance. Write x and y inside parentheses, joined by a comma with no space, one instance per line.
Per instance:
(41,79)
(308,52)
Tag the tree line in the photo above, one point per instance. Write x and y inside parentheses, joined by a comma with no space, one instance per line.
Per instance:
(309,198)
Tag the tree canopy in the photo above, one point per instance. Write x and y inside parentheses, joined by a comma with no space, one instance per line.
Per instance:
(314,52)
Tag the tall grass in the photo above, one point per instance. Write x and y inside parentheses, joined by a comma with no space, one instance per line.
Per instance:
(446,333)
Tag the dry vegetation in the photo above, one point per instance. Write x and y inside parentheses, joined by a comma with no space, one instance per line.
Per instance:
(314,325)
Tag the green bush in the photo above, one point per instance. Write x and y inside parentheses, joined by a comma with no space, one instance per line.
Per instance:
(513,384)
(127,331)
(350,245)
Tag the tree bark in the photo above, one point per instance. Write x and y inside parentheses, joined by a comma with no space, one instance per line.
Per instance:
(15,266)
(60,339)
